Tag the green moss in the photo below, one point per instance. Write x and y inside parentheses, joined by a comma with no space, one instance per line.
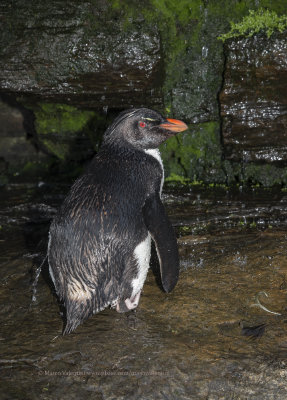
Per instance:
(59,125)
(266,175)
(174,178)
(260,20)
(34,168)
(192,54)
(28,166)
(185,230)
(60,118)
(242,223)
(195,155)
(255,175)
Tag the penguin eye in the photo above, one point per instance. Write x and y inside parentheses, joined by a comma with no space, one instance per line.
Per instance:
(142,124)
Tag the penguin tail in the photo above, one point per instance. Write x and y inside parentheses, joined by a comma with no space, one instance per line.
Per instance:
(70,327)
(76,313)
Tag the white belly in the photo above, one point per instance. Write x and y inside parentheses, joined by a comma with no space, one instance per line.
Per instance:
(142,255)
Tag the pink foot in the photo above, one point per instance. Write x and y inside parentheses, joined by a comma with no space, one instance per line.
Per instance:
(129,304)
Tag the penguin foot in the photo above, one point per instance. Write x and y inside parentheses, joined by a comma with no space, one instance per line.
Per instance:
(128,304)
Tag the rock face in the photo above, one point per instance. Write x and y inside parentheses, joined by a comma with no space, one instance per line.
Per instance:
(80,53)
(75,65)
(16,149)
(253,100)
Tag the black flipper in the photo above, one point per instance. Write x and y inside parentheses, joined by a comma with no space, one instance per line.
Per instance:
(163,235)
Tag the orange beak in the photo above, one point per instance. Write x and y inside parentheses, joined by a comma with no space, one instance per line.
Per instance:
(174,125)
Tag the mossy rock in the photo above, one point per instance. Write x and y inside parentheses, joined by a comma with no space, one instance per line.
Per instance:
(255,174)
(66,132)
(195,154)
(58,126)
(266,175)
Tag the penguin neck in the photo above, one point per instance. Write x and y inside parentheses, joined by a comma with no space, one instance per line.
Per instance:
(119,147)
(155,153)
(124,149)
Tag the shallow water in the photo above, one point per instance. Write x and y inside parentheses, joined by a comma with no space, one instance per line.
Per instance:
(188,344)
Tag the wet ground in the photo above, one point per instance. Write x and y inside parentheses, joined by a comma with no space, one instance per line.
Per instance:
(208,339)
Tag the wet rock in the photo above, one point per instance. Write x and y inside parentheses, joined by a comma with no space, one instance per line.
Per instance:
(187,344)
(82,53)
(64,131)
(253,100)
(195,154)
(103,56)
(13,142)
(194,77)
(17,151)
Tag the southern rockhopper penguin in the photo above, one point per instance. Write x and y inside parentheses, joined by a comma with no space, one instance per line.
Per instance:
(100,240)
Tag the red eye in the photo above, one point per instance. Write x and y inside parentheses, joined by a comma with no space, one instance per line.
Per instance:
(142,124)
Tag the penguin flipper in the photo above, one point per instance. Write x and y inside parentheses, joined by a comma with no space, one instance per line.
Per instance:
(163,235)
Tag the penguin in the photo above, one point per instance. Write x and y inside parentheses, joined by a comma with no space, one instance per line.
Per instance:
(100,240)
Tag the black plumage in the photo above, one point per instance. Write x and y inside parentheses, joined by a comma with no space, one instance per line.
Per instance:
(99,242)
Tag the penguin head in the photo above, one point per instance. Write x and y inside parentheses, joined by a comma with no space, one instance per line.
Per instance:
(142,128)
